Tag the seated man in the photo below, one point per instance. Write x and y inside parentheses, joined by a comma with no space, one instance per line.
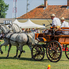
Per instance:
(64,24)
(55,24)
(55,21)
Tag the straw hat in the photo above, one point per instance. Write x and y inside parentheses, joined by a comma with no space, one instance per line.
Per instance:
(62,18)
(53,15)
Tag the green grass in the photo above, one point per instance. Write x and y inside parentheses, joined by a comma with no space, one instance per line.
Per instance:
(25,62)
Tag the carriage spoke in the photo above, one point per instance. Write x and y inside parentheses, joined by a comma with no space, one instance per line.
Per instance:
(37,52)
(54,51)
(67,51)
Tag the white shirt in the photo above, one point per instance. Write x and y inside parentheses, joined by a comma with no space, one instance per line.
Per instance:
(64,24)
(56,21)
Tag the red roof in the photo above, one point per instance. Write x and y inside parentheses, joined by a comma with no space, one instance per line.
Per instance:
(44,13)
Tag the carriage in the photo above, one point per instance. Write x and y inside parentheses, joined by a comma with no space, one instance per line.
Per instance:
(53,40)
(51,43)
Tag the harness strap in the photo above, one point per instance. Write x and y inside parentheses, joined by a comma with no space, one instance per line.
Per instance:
(16,41)
(27,39)
(11,35)
(11,39)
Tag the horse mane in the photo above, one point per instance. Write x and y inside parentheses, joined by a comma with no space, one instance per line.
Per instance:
(16,28)
(16,25)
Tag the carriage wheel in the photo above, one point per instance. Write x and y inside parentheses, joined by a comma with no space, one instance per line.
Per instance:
(54,51)
(67,51)
(37,52)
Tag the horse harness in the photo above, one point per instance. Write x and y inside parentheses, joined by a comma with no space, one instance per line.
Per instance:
(13,40)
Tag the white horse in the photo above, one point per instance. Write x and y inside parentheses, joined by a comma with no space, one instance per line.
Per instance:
(16,39)
(15,28)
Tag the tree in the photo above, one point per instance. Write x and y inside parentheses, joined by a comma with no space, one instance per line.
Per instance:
(3,8)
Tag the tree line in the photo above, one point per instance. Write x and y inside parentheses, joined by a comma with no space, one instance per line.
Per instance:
(3,8)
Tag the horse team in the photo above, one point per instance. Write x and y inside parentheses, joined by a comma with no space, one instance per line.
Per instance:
(14,36)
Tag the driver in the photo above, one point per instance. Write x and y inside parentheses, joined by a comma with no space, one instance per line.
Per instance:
(55,21)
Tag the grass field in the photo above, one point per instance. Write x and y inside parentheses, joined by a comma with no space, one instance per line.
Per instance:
(25,62)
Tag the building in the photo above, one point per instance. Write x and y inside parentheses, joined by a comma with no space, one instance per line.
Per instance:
(6,19)
(42,13)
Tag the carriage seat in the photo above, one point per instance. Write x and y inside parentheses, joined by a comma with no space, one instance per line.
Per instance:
(65,31)
(62,33)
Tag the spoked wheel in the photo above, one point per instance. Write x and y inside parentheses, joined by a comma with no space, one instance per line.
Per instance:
(67,51)
(54,51)
(37,52)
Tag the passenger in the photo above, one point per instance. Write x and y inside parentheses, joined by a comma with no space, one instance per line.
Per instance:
(64,24)
(55,21)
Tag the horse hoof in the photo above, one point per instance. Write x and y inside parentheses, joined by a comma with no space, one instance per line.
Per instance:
(23,51)
(18,56)
(15,56)
(6,57)
(1,52)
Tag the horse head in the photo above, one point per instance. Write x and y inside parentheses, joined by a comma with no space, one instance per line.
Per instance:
(14,28)
(4,29)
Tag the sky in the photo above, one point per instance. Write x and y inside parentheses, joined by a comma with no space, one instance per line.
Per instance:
(22,4)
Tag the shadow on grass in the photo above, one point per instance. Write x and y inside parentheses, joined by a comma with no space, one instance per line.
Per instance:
(7,58)
(44,60)
(63,60)
(28,59)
